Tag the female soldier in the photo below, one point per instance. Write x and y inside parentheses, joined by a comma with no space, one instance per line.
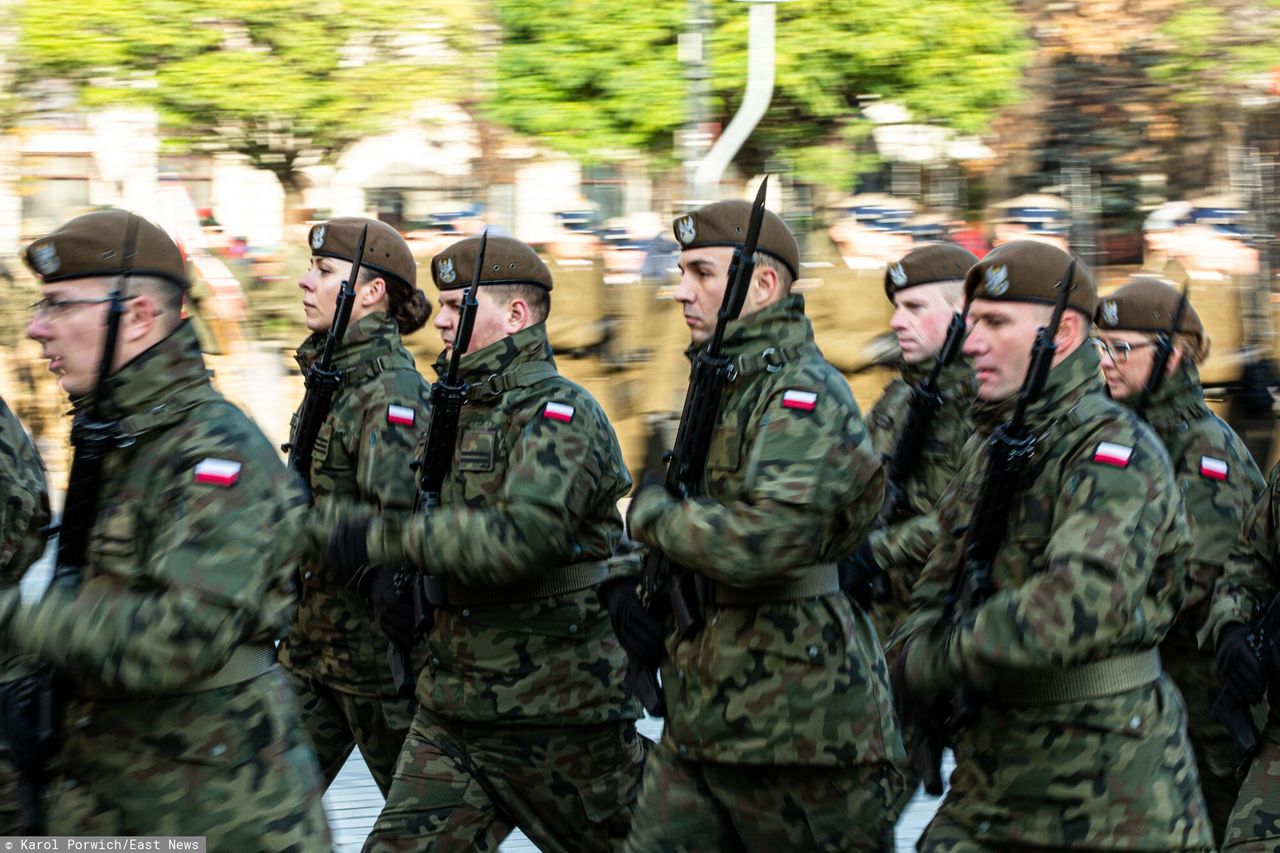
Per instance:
(1219,483)
(336,656)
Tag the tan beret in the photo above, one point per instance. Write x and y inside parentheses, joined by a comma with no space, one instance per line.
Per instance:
(1029,271)
(506,261)
(1147,304)
(94,245)
(725,224)
(384,249)
(928,265)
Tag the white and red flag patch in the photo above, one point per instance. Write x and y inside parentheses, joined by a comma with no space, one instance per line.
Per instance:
(802,400)
(558,412)
(1214,469)
(402,415)
(218,472)
(1113,454)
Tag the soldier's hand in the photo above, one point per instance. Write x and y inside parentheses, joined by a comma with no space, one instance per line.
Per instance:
(639,633)
(861,577)
(392,610)
(346,551)
(1238,667)
(654,480)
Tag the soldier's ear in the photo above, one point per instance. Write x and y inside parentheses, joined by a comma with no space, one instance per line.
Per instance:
(518,315)
(766,285)
(140,317)
(1175,360)
(372,292)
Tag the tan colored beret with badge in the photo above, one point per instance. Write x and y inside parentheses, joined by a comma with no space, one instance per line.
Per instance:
(725,224)
(94,245)
(928,265)
(1029,271)
(384,249)
(1147,304)
(506,261)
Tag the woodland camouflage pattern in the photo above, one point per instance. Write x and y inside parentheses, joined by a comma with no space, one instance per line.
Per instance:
(799,682)
(1215,515)
(360,465)
(1092,566)
(1249,581)
(179,574)
(527,494)
(903,546)
(22,515)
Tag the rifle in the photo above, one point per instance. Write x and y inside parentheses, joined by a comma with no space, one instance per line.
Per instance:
(448,396)
(32,705)
(664,586)
(1164,351)
(321,379)
(1009,450)
(1236,716)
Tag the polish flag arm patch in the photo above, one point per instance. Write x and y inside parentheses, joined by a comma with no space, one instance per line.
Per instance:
(1113,454)
(558,412)
(1214,469)
(218,472)
(802,400)
(402,415)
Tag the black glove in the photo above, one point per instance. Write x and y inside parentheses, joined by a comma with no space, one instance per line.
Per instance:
(1239,669)
(640,634)
(392,611)
(862,578)
(346,551)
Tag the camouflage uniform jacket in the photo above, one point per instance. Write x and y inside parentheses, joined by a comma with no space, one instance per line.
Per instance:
(1251,576)
(1093,561)
(360,466)
(188,559)
(1217,476)
(902,547)
(24,512)
(533,489)
(788,486)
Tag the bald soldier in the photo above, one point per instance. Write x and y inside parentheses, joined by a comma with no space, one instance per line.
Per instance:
(1080,740)
(1219,483)
(523,719)
(176,719)
(779,729)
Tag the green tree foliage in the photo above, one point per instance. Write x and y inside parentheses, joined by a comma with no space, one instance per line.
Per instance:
(596,76)
(280,81)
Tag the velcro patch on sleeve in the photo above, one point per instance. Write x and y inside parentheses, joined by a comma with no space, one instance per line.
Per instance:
(1113,454)
(558,412)
(802,400)
(402,415)
(218,472)
(1214,469)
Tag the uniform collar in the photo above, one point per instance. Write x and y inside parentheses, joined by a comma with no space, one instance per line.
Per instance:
(780,325)
(1077,375)
(1180,399)
(371,336)
(501,357)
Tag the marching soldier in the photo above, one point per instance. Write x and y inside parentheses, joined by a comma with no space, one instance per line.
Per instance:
(175,718)
(22,523)
(1219,482)
(522,717)
(336,657)
(785,673)
(927,289)
(1079,740)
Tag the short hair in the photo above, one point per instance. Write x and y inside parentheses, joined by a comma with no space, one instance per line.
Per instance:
(537,298)
(785,278)
(952,290)
(168,297)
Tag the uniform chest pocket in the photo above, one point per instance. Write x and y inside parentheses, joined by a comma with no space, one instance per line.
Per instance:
(726,446)
(477,450)
(115,538)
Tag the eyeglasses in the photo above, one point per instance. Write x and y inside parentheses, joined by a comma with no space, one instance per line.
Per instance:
(1118,351)
(52,309)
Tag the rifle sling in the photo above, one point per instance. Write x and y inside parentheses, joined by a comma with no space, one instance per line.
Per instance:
(1095,680)
(769,358)
(522,376)
(558,581)
(819,580)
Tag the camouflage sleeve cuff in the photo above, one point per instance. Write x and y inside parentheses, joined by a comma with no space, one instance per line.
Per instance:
(928,669)
(647,508)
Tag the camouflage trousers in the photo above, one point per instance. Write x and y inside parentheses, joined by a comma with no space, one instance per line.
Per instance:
(464,786)
(695,806)
(1255,822)
(254,786)
(1116,773)
(337,722)
(1195,674)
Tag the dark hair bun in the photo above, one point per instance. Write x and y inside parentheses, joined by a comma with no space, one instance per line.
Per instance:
(412,315)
